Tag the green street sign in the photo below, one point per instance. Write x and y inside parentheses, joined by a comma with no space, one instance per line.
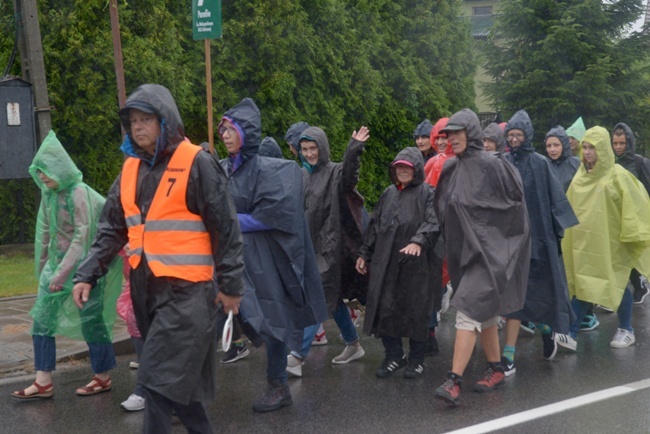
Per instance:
(206,19)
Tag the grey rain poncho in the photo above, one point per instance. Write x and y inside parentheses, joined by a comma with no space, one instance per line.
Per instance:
(283,289)
(334,211)
(567,165)
(549,211)
(402,287)
(482,211)
(637,164)
(66,226)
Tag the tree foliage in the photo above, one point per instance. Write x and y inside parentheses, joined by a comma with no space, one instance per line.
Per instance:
(337,64)
(563,59)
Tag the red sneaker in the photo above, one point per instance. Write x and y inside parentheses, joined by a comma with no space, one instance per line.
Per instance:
(449,391)
(494,377)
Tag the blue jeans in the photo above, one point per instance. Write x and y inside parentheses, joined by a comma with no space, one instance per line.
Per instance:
(624,313)
(276,359)
(138,343)
(102,356)
(343,321)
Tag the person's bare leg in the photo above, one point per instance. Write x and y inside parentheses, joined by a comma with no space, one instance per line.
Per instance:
(43,378)
(512,331)
(490,343)
(463,348)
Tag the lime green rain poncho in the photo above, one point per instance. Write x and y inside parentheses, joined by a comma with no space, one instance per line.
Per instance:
(66,226)
(614,231)
(577,130)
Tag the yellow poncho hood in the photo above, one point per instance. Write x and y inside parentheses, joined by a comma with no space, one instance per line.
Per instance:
(614,233)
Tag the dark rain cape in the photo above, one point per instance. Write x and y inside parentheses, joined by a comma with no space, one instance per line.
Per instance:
(66,226)
(549,211)
(567,165)
(424,129)
(334,211)
(638,165)
(283,289)
(402,287)
(614,232)
(177,318)
(494,132)
(481,207)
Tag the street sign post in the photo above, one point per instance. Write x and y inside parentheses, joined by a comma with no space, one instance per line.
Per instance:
(206,25)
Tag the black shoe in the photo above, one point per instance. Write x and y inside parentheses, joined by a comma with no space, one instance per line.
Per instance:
(432,346)
(640,293)
(414,370)
(550,346)
(275,397)
(389,366)
(235,353)
(508,366)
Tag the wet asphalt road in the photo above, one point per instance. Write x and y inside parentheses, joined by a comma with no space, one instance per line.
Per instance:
(350,399)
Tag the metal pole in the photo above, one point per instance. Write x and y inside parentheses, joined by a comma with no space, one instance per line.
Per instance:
(208,91)
(117,56)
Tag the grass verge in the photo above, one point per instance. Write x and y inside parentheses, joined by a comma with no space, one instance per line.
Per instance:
(17,275)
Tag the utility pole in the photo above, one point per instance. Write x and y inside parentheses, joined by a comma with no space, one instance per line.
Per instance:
(32,64)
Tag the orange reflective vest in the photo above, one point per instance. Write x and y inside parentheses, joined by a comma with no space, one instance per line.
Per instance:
(174,239)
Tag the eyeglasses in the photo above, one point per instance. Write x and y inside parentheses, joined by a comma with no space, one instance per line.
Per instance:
(230,130)
(517,136)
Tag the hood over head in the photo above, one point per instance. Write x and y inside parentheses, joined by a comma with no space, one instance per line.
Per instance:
(577,130)
(423,129)
(467,120)
(247,120)
(413,156)
(435,134)
(630,147)
(270,148)
(293,134)
(55,163)
(559,132)
(316,134)
(495,133)
(599,138)
(521,121)
(155,99)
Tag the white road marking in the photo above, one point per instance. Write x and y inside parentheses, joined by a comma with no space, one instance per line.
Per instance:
(558,407)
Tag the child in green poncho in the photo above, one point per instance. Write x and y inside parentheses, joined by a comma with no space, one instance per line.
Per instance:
(67,222)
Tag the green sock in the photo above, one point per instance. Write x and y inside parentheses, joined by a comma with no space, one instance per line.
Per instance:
(509,353)
(545,329)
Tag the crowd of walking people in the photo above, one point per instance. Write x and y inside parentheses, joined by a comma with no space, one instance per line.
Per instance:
(473,218)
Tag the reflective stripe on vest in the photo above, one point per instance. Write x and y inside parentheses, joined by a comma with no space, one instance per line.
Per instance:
(174,239)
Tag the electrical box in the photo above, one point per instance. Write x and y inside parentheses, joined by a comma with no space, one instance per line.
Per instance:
(17,130)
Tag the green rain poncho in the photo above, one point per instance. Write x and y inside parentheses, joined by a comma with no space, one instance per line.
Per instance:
(66,226)
(614,232)
(577,130)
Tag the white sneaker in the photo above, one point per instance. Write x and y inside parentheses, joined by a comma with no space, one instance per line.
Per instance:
(134,403)
(134,365)
(294,365)
(566,341)
(350,353)
(445,298)
(622,339)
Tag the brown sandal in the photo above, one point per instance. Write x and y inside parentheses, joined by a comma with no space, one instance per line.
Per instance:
(44,392)
(95,386)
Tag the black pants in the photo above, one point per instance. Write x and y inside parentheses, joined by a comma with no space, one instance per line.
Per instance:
(394,350)
(158,415)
